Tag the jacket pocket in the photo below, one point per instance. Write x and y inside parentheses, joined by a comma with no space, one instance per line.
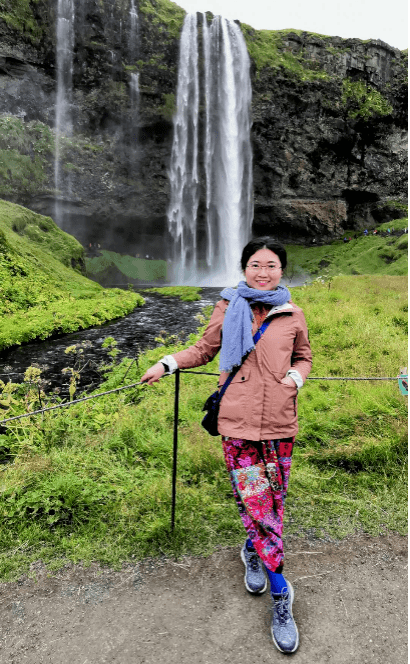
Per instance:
(284,405)
(242,376)
(237,399)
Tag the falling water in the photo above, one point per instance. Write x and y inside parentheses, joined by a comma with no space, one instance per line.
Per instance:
(208,139)
(227,155)
(131,123)
(183,174)
(231,161)
(63,119)
(133,38)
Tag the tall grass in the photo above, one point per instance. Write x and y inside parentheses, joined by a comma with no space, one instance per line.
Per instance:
(94,482)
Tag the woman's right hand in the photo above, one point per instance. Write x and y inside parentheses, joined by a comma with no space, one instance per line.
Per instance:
(153,374)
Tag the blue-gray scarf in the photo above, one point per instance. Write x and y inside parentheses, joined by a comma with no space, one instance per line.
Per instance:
(237,340)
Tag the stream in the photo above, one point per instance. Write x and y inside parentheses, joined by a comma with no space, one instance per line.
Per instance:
(133,333)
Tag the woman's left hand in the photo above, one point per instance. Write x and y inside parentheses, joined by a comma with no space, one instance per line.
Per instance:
(288,381)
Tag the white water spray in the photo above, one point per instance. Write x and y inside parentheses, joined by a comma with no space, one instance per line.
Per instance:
(63,118)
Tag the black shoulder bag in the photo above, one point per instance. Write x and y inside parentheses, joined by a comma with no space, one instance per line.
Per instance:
(210,420)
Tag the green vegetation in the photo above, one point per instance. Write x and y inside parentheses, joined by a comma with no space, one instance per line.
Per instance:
(131,267)
(40,292)
(93,482)
(18,14)
(169,107)
(185,293)
(373,254)
(164,13)
(361,100)
(265,49)
(24,148)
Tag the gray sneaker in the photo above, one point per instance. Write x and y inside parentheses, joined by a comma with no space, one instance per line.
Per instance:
(284,632)
(255,579)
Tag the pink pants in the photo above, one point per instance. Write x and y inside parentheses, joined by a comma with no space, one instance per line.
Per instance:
(259,472)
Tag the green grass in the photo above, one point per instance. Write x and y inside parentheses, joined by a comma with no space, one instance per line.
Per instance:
(373,254)
(93,483)
(40,292)
(131,267)
(185,293)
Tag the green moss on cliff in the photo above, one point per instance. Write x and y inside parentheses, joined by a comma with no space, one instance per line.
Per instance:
(361,100)
(18,14)
(164,13)
(265,47)
(24,148)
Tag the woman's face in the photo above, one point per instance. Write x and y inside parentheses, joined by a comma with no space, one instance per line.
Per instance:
(263,270)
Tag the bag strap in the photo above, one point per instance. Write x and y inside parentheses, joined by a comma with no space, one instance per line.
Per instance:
(233,373)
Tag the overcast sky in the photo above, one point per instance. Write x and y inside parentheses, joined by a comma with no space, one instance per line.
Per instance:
(365,19)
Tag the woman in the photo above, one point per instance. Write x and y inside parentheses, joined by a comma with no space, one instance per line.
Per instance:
(258,413)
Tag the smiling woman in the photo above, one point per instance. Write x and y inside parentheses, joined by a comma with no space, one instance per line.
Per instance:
(258,412)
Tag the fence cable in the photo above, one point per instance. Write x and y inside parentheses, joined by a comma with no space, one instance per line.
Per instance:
(201,373)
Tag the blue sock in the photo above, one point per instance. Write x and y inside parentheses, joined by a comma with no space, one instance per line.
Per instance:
(277,583)
(249,545)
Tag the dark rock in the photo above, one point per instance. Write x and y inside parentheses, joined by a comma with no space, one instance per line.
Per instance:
(317,169)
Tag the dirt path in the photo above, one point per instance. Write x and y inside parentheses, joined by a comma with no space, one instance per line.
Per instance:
(350,606)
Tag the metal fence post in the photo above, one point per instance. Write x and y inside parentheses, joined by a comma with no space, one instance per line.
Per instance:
(174,464)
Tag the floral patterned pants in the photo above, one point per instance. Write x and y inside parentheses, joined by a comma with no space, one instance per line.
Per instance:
(259,472)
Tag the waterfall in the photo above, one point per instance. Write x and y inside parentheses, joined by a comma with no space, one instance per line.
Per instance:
(183,173)
(63,119)
(132,131)
(210,252)
(231,184)
(133,38)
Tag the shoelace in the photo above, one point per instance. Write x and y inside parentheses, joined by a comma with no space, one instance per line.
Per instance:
(281,606)
(254,562)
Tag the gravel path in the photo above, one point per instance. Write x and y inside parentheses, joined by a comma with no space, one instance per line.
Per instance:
(350,606)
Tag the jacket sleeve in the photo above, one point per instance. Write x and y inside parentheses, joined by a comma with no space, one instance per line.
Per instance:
(302,353)
(208,345)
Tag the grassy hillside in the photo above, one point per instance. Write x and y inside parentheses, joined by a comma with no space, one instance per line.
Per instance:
(111,267)
(42,290)
(382,253)
(94,482)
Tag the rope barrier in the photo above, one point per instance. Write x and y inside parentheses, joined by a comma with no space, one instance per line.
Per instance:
(70,403)
(200,373)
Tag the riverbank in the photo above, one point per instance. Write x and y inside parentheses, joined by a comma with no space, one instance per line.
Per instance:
(93,482)
(42,288)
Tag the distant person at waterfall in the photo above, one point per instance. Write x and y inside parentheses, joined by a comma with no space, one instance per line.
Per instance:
(258,413)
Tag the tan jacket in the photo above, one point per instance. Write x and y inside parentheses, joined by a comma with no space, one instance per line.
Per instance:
(256,405)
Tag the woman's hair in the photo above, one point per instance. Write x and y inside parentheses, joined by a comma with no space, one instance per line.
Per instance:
(265,242)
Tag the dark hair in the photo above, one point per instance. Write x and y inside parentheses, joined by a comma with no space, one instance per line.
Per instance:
(265,242)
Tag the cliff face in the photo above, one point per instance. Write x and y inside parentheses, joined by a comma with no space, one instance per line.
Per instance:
(329,125)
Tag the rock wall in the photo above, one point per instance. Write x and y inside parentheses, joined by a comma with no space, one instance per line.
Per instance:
(329,125)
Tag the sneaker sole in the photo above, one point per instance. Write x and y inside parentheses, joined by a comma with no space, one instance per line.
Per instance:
(288,652)
(253,592)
